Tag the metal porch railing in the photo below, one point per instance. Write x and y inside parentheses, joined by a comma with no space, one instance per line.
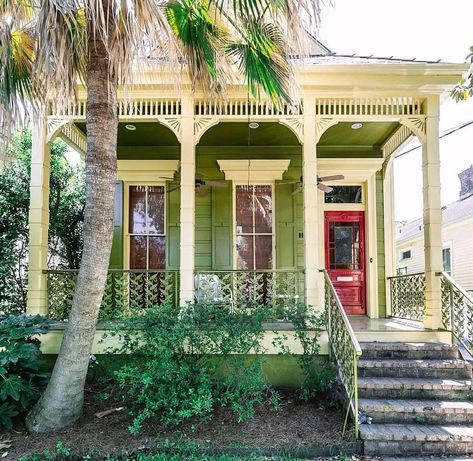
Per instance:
(127,292)
(344,348)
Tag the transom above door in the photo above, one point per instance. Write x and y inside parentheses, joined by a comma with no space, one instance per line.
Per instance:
(345,258)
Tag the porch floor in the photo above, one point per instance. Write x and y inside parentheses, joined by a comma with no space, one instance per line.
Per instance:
(392,329)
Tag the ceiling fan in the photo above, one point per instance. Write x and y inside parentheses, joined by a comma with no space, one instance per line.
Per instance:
(320,183)
(201,185)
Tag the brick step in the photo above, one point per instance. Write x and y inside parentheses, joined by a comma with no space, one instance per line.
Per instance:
(396,350)
(390,439)
(418,411)
(414,388)
(438,369)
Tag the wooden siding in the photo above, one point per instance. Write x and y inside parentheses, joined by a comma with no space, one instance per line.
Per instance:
(460,237)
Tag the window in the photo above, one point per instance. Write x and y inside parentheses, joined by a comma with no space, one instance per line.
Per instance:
(146,227)
(401,271)
(254,227)
(344,194)
(405,255)
(447,260)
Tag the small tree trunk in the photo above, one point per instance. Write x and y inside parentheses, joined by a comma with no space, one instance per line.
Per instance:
(62,401)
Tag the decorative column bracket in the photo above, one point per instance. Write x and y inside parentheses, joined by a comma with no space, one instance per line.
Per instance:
(296,125)
(64,128)
(174,124)
(202,124)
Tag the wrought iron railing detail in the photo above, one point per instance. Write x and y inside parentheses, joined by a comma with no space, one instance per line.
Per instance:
(344,348)
(407,296)
(127,292)
(457,311)
(238,289)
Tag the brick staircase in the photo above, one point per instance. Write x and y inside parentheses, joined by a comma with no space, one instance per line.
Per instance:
(419,396)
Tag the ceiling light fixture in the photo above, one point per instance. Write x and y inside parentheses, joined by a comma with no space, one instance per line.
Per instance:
(356,126)
(130,127)
(253,125)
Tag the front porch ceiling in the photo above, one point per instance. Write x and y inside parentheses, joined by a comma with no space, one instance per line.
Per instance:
(147,134)
(236,134)
(338,139)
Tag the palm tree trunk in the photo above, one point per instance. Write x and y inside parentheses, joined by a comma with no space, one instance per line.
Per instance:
(62,401)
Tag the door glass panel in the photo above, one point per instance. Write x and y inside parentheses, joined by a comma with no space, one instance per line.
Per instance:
(137,210)
(263,209)
(244,210)
(138,252)
(244,248)
(263,252)
(344,245)
(156,210)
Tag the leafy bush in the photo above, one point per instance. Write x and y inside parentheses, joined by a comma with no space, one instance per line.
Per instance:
(21,377)
(318,374)
(173,373)
(182,365)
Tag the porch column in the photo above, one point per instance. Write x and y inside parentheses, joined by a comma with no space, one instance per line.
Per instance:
(187,201)
(38,218)
(432,216)
(311,208)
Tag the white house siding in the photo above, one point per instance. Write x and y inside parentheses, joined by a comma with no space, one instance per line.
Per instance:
(460,237)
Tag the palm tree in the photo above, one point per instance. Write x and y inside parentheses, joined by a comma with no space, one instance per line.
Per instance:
(47,46)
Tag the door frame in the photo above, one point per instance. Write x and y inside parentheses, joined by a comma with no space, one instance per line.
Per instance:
(357,172)
(360,215)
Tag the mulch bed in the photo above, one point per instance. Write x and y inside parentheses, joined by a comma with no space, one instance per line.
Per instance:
(298,425)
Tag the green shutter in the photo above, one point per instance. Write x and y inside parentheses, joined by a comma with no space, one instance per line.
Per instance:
(285,227)
(222,242)
(116,256)
(173,227)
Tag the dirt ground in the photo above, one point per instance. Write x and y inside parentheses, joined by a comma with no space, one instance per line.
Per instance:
(296,425)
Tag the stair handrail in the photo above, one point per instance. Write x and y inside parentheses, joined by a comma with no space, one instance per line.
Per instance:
(457,310)
(344,348)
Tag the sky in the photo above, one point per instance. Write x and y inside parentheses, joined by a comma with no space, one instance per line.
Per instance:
(422,29)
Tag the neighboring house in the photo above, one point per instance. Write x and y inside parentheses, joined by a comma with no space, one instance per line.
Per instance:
(457,238)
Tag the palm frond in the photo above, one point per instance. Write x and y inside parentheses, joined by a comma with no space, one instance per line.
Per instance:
(16,63)
(61,50)
(261,56)
(202,38)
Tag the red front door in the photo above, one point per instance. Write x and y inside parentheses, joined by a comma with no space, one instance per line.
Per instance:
(345,258)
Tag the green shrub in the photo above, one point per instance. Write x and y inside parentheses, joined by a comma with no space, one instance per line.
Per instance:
(172,374)
(21,377)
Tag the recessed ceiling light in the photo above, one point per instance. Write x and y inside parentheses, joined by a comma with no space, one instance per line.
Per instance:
(253,125)
(356,126)
(130,127)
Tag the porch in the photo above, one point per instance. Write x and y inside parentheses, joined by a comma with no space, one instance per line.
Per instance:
(207,209)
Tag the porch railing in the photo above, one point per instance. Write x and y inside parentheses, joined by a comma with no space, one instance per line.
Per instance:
(344,348)
(127,292)
(407,296)
(457,311)
(238,289)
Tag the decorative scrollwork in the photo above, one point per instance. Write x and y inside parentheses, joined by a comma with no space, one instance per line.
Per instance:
(201,125)
(407,296)
(457,311)
(174,124)
(344,346)
(296,125)
(127,292)
(240,289)
(322,124)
